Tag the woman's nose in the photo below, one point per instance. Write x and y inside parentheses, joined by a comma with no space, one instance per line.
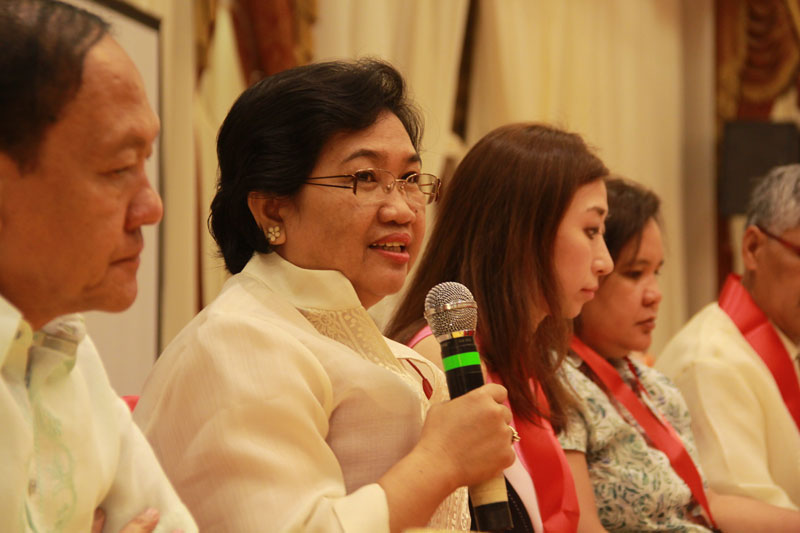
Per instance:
(652,293)
(603,264)
(397,208)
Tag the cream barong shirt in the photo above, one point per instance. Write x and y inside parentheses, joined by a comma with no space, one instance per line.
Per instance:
(67,441)
(281,404)
(748,442)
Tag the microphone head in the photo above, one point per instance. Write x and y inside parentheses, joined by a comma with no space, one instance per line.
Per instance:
(450,307)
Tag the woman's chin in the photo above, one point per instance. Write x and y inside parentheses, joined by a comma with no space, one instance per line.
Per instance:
(637,347)
(572,310)
(370,296)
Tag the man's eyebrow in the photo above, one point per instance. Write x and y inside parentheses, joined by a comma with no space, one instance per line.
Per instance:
(132,140)
(140,135)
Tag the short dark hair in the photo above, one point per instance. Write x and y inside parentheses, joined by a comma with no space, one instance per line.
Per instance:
(44,44)
(273,134)
(495,232)
(630,208)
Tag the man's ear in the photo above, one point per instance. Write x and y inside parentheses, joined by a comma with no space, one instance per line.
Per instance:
(266,212)
(753,242)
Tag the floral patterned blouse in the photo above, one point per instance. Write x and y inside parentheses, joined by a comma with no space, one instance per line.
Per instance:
(635,487)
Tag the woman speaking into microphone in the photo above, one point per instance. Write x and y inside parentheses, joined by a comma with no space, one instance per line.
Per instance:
(281,407)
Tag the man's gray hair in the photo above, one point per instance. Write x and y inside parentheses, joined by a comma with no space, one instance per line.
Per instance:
(775,200)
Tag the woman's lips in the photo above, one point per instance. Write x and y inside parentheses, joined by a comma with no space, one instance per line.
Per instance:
(393,247)
(397,257)
(648,324)
(589,292)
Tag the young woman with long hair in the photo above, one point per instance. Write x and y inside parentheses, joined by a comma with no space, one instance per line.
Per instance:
(520,224)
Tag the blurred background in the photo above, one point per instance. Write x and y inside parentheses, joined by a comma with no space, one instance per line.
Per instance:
(692,98)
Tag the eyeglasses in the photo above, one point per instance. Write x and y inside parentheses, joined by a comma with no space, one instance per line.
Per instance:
(367,184)
(791,246)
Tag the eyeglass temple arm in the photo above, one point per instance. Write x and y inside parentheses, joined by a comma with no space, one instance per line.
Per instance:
(331,185)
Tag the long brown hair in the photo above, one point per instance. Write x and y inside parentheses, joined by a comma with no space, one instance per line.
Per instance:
(495,232)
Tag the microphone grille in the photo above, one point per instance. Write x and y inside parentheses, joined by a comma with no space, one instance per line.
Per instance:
(450,307)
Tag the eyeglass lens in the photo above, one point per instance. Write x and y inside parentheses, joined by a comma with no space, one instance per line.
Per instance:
(418,188)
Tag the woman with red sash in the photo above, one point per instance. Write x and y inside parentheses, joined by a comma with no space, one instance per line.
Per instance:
(520,224)
(629,444)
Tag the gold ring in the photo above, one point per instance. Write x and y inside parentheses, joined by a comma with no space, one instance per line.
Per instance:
(514,435)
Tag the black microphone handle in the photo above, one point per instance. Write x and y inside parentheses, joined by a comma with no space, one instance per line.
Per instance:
(462,365)
(463,371)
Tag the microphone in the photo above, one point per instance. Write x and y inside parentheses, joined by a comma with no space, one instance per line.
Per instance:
(452,315)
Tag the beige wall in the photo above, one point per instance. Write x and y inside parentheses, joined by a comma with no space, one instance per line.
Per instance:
(698,208)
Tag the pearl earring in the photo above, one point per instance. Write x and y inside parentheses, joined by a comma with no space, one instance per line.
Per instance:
(273,233)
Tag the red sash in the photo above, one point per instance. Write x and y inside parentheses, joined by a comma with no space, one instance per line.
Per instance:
(544,459)
(661,434)
(761,335)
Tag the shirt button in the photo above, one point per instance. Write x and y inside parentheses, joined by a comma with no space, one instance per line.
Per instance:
(31,487)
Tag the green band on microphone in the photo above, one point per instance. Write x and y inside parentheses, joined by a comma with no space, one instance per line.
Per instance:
(460,360)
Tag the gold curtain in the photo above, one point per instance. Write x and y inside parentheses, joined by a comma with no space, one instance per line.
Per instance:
(758,53)
(611,71)
(272,35)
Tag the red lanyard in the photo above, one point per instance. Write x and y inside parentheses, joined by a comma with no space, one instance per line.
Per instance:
(544,459)
(761,335)
(661,434)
